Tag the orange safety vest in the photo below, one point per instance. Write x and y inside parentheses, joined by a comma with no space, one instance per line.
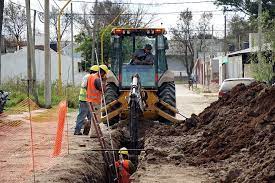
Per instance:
(93,95)
(123,171)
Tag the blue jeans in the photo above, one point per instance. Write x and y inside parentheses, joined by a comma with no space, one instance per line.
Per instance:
(83,112)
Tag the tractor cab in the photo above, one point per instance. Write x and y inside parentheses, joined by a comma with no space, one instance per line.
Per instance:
(125,42)
(151,84)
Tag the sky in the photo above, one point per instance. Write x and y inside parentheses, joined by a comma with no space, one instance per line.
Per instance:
(168,12)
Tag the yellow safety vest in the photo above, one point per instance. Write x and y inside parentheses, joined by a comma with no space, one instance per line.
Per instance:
(82,94)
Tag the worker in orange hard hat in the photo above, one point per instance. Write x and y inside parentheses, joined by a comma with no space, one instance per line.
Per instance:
(124,166)
(95,85)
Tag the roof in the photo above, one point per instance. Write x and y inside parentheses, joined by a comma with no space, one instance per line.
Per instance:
(248,50)
(254,49)
(236,79)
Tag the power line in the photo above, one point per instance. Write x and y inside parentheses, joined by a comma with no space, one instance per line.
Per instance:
(154,13)
(24,6)
(103,14)
(151,4)
(56,4)
(40,5)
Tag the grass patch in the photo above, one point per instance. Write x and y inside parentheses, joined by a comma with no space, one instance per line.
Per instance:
(18,92)
(49,115)
(181,82)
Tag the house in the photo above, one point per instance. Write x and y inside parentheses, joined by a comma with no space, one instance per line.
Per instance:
(67,50)
(206,67)
(237,64)
(175,61)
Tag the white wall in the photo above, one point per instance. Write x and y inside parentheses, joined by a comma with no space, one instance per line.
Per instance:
(235,68)
(14,65)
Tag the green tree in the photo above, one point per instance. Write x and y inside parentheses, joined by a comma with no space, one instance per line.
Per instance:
(106,12)
(85,47)
(239,29)
(263,65)
(247,6)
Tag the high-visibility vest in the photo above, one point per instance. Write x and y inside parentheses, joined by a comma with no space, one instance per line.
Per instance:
(82,92)
(93,95)
(123,168)
(82,95)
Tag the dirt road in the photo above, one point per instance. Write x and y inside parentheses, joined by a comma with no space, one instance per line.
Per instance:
(153,169)
(189,102)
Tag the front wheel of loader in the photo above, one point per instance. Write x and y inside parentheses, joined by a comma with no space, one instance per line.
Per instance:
(112,94)
(167,93)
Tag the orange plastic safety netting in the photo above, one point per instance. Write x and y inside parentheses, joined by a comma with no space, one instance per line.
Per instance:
(31,142)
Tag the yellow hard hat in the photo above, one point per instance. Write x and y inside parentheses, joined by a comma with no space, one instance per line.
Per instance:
(104,67)
(94,68)
(123,150)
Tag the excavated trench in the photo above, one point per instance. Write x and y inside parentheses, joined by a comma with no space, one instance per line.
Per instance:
(88,166)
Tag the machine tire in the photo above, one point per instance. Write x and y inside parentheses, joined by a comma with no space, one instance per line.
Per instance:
(167,93)
(112,94)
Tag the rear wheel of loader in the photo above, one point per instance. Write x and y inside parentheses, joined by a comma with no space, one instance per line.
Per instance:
(111,94)
(167,93)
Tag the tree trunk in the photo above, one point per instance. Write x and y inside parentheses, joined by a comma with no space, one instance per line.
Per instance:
(17,42)
(186,62)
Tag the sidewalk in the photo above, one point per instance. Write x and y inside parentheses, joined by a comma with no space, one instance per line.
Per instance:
(211,90)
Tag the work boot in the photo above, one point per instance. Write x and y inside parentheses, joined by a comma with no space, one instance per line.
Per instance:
(87,127)
(77,133)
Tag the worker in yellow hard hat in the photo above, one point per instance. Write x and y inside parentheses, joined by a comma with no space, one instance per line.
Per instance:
(83,106)
(124,166)
(95,85)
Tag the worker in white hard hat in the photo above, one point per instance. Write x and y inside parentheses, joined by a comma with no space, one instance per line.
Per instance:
(124,166)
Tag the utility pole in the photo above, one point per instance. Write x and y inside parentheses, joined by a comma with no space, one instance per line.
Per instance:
(1,23)
(30,43)
(47,58)
(195,57)
(59,83)
(72,41)
(225,41)
(35,92)
(211,59)
(94,33)
(260,27)
(204,56)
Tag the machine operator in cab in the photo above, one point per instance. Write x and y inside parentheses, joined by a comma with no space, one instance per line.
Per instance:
(143,56)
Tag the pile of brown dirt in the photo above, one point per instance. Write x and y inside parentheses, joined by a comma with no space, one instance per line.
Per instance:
(239,127)
(235,134)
